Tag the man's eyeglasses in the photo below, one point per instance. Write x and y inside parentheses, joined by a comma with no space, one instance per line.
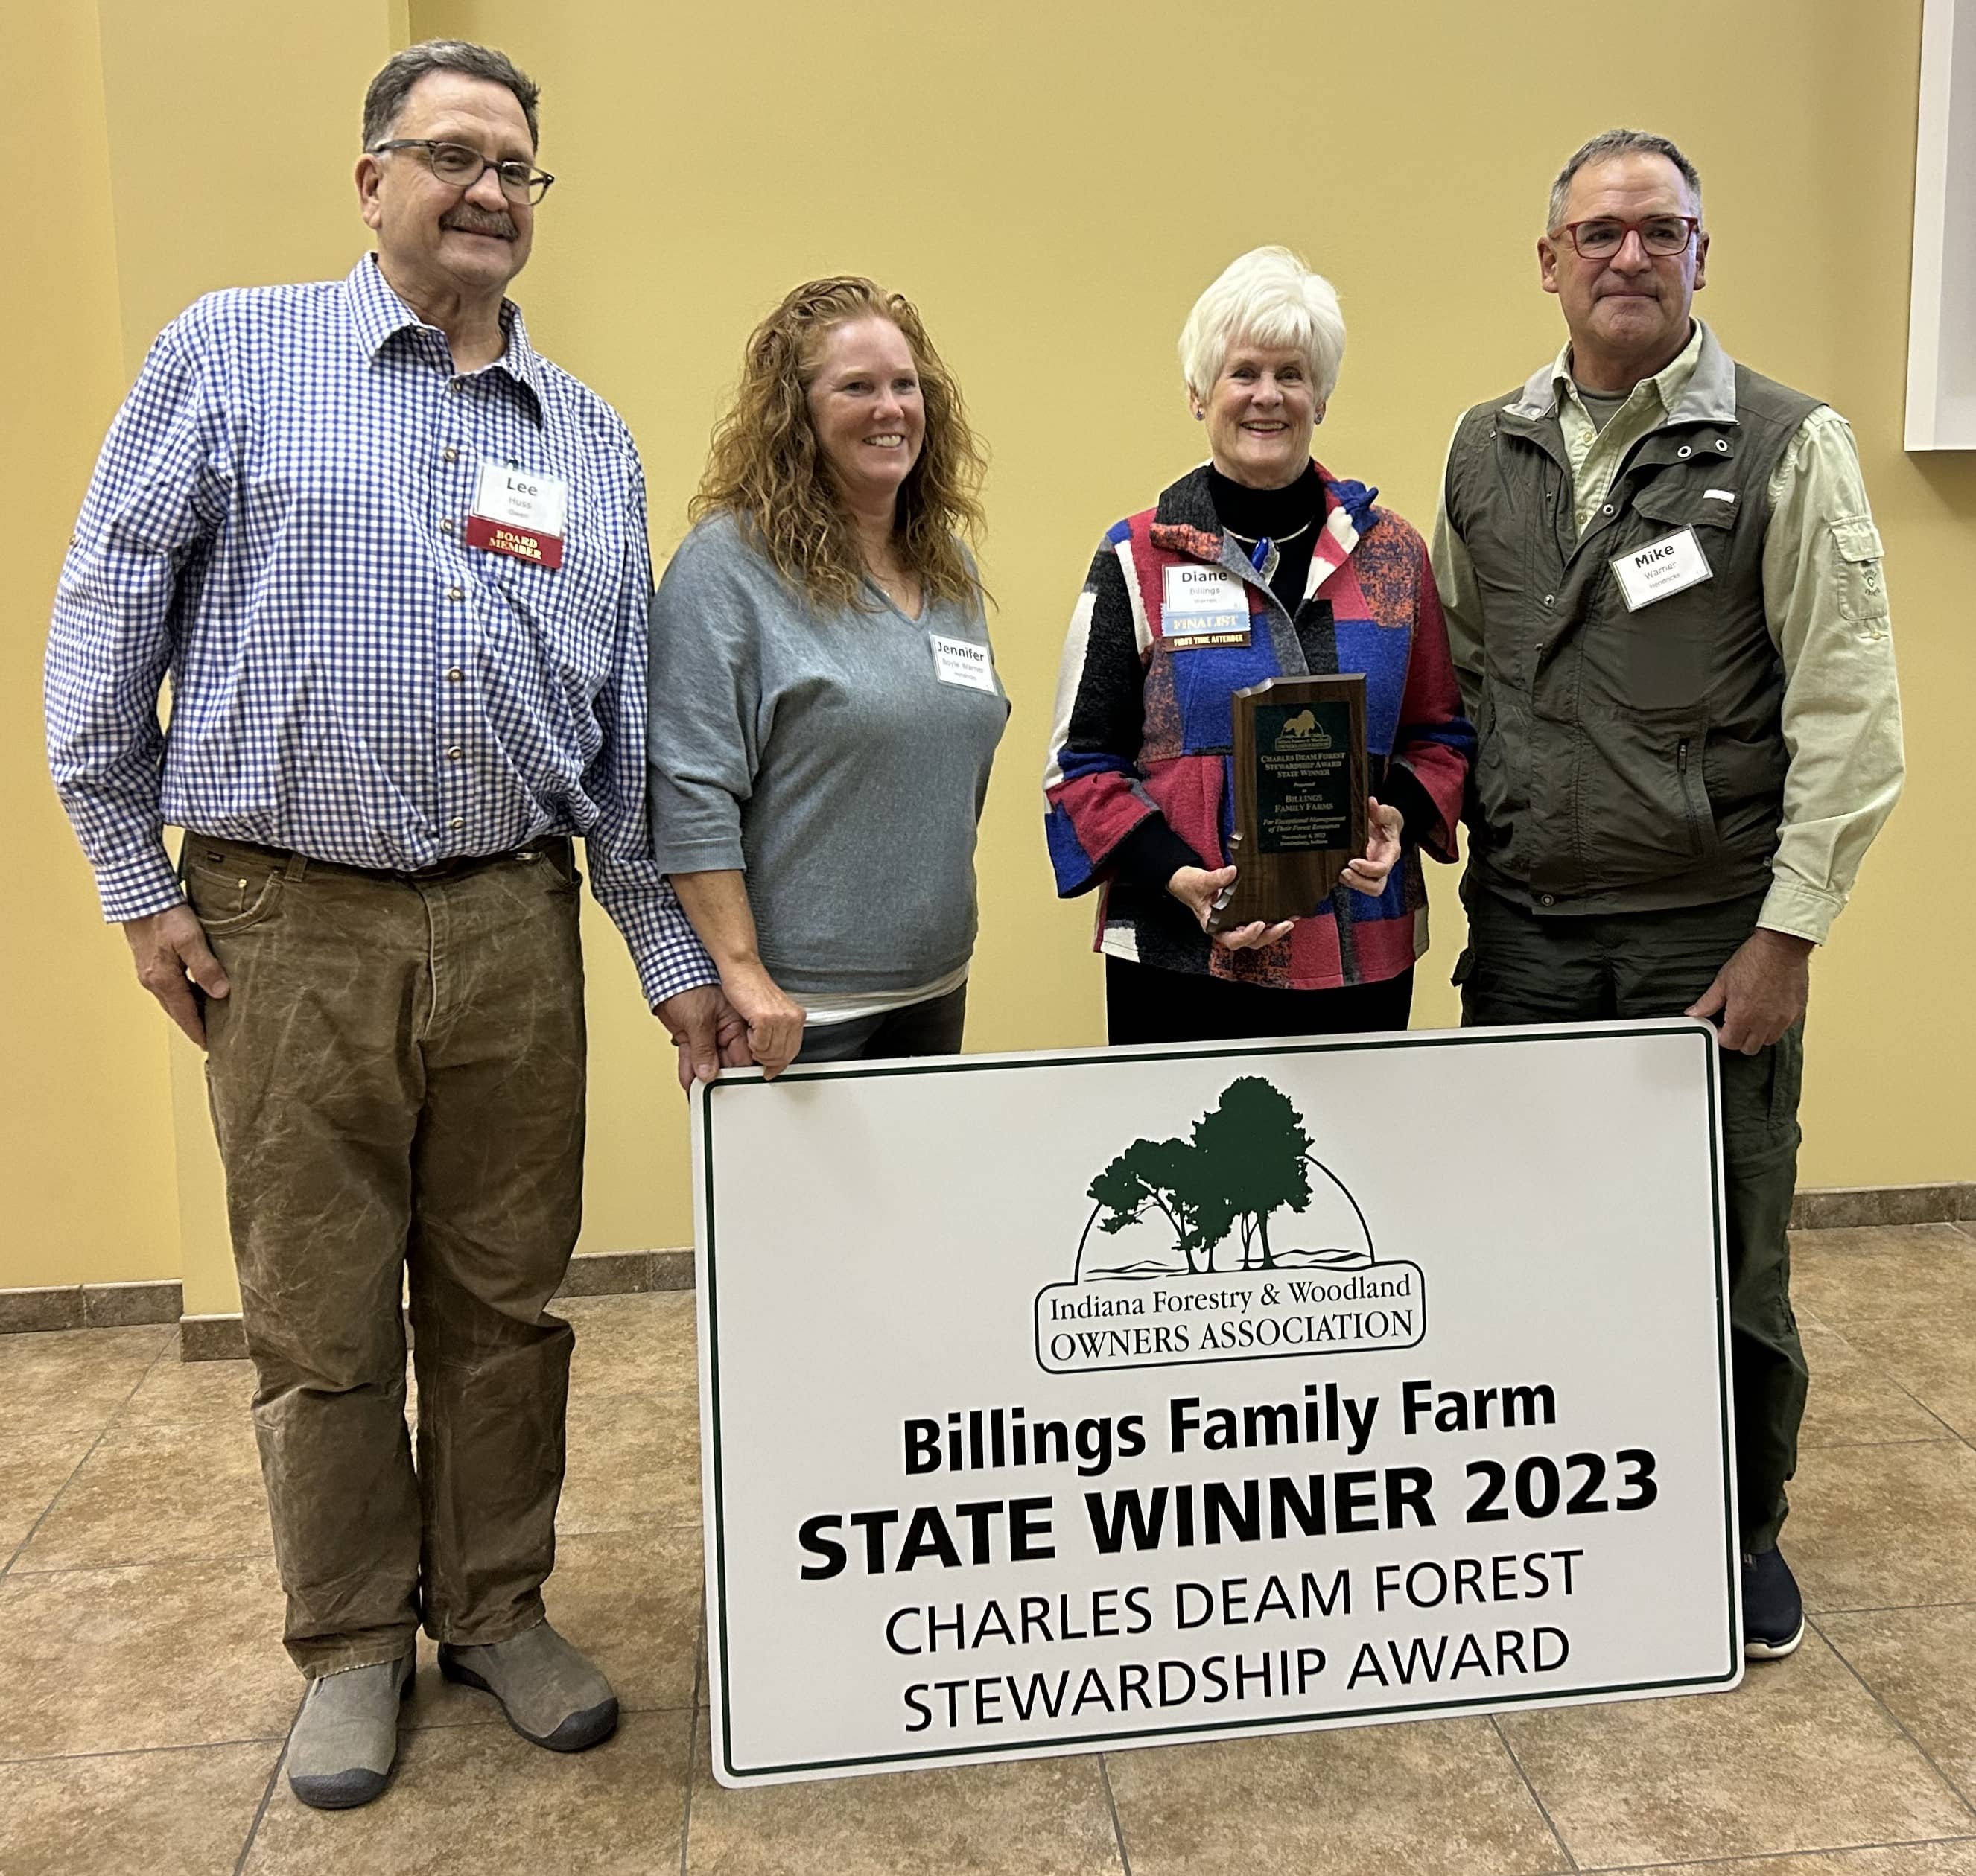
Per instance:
(1663,236)
(459,166)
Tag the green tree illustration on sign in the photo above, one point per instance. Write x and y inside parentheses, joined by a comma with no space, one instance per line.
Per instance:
(1165,1176)
(1254,1139)
(1248,1158)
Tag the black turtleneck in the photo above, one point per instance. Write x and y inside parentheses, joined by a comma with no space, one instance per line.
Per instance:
(1290,517)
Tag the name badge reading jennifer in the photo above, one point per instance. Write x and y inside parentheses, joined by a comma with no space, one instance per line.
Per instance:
(1203,606)
(1671,565)
(519,512)
(960,661)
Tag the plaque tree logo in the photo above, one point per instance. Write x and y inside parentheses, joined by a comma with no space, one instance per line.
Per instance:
(1179,1262)
(1302,728)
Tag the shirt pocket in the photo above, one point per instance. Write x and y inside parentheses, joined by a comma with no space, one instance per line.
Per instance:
(570,611)
(1858,576)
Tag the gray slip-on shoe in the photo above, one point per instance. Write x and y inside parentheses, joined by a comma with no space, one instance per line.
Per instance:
(552,1695)
(346,1736)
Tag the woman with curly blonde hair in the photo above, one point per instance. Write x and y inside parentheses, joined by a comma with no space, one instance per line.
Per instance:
(825,707)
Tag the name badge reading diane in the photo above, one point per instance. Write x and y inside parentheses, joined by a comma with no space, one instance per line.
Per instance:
(1203,606)
(519,512)
(1671,565)
(961,661)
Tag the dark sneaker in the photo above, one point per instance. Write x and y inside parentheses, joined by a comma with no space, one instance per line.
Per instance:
(552,1695)
(346,1736)
(1772,1610)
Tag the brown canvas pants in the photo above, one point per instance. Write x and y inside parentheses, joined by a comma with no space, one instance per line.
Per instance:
(397,1081)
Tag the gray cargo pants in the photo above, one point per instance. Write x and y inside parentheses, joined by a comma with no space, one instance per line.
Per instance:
(396,1082)
(1521,968)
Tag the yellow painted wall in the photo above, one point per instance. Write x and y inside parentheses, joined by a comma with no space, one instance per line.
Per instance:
(1053,185)
(84,1107)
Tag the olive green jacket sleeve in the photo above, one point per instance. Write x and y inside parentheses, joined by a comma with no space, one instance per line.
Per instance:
(1825,594)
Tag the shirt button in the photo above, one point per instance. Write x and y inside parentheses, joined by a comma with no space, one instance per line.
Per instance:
(455,824)
(1684,452)
(449,454)
(456,675)
(1607,509)
(455,753)
(454,592)
(445,525)
(1548,597)
(452,384)
(1547,899)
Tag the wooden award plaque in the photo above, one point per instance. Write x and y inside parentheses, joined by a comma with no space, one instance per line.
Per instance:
(1300,785)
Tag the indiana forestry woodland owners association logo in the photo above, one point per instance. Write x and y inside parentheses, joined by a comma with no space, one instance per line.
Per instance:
(1235,1244)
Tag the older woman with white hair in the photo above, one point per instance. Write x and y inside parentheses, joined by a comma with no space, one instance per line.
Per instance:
(1320,579)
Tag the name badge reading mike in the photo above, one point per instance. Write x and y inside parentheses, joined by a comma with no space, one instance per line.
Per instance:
(519,512)
(1671,565)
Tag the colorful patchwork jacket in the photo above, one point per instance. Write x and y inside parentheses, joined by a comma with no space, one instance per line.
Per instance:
(1144,728)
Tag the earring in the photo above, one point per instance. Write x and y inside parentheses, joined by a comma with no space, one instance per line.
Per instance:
(1199,415)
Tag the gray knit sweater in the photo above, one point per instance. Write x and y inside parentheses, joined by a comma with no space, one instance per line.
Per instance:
(823,754)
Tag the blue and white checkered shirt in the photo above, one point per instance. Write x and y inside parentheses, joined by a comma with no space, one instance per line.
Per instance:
(277,522)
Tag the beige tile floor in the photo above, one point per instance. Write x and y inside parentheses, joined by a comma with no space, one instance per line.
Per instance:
(144,1699)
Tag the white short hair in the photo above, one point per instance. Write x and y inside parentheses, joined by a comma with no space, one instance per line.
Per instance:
(1267,298)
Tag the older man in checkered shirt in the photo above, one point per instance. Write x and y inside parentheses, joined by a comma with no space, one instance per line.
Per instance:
(393,563)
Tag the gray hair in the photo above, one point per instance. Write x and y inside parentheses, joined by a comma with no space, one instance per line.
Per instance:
(1267,297)
(393,86)
(1610,143)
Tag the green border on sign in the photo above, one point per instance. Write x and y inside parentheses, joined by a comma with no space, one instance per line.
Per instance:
(1457,1038)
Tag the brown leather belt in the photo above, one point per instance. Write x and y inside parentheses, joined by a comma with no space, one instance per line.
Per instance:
(546,846)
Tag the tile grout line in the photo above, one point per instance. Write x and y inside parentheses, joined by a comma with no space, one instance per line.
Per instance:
(1117,1825)
(143,1563)
(103,1433)
(692,1759)
(267,1799)
(1872,1693)
(1885,1609)
(142,1751)
(1543,1810)
(1773,1856)
(1948,1431)
(1948,1436)
(1894,1381)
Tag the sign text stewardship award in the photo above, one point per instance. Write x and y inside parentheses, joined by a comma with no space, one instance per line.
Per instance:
(1300,784)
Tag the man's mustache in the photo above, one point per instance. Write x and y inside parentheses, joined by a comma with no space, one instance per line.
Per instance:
(479,221)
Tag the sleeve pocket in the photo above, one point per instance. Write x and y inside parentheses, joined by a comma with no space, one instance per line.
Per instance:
(1862,582)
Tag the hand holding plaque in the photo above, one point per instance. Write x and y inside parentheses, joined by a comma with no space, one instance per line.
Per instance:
(1300,797)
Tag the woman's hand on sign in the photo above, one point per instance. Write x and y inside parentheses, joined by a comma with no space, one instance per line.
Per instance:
(1384,826)
(1199,890)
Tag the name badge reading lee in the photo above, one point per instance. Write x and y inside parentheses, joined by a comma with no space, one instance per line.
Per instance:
(1203,606)
(519,512)
(960,661)
(1670,564)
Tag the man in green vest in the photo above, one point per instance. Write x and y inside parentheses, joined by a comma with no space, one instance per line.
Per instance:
(1664,592)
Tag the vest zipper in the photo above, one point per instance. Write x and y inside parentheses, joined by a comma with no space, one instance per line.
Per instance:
(1694,835)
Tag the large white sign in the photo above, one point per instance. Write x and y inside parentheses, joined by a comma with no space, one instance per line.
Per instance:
(1121,1397)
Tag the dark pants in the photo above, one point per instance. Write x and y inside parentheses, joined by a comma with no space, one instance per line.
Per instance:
(1143,1003)
(929,1028)
(397,1083)
(1519,968)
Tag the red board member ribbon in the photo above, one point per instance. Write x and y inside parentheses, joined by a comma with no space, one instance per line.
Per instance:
(520,512)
